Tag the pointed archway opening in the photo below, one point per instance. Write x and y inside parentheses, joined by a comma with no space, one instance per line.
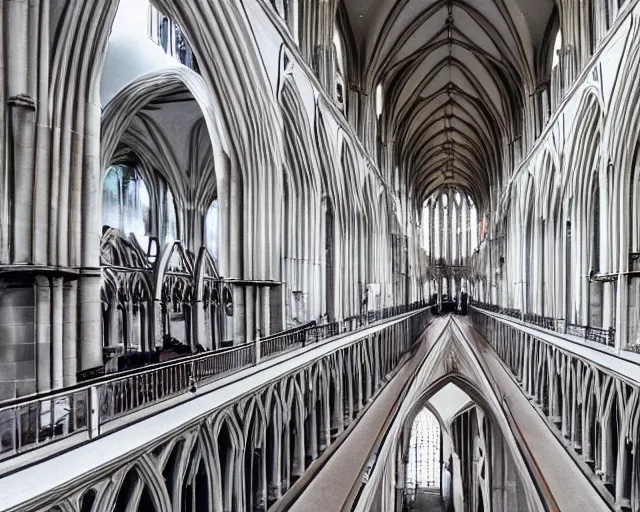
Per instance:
(424,466)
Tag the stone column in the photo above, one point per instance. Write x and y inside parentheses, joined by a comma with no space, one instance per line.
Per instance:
(250,312)
(497,481)
(265,311)
(275,471)
(200,329)
(43,333)
(91,233)
(312,449)
(21,129)
(223,180)
(239,322)
(90,322)
(70,333)
(57,355)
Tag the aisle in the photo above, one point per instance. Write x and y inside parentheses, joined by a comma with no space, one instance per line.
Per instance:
(339,479)
(428,502)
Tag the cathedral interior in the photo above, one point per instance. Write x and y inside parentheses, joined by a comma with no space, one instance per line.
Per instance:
(320,255)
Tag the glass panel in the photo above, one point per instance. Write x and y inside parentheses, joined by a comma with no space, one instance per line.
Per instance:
(81,407)
(423,471)
(29,424)
(171,223)
(211,229)
(8,441)
(61,416)
(126,204)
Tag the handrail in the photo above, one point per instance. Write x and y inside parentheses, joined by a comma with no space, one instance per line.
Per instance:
(30,422)
(115,376)
(596,334)
(311,327)
(549,501)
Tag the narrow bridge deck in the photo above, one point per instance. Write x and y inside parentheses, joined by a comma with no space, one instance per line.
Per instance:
(624,364)
(571,489)
(60,471)
(338,481)
(333,488)
(428,502)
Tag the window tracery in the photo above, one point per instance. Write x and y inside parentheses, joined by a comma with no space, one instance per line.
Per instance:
(340,88)
(423,469)
(449,239)
(167,34)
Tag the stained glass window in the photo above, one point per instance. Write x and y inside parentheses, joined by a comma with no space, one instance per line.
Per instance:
(423,469)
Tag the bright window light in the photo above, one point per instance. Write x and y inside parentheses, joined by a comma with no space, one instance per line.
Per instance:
(379,100)
(337,42)
(557,46)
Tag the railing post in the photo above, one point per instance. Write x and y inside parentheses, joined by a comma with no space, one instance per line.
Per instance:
(94,412)
(256,351)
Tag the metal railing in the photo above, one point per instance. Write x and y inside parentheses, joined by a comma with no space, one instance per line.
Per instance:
(596,334)
(296,338)
(545,322)
(31,422)
(604,336)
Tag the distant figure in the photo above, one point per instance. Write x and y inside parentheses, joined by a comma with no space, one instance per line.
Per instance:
(464,299)
(365,302)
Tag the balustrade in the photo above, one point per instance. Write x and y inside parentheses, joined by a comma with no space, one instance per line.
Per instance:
(275,434)
(596,334)
(31,422)
(593,407)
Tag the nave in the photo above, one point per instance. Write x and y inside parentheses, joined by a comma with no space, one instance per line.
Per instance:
(194,193)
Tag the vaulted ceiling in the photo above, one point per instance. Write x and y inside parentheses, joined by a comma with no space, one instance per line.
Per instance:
(456,75)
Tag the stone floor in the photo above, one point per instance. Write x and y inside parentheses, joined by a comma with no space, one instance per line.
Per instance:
(333,487)
(331,490)
(429,501)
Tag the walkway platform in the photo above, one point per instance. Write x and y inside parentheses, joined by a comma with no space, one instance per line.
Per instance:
(427,502)
(60,471)
(625,365)
(335,486)
(571,489)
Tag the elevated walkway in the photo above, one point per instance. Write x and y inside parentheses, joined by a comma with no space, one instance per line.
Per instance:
(137,434)
(336,485)
(428,502)
(550,462)
(359,462)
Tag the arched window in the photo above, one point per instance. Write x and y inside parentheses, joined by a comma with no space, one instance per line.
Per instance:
(423,469)
(211,229)
(126,204)
(455,229)
(340,71)
(450,226)
(557,47)
(170,231)
(473,214)
(437,253)
(337,44)
(444,226)
(426,228)
(550,69)
(166,33)
(379,104)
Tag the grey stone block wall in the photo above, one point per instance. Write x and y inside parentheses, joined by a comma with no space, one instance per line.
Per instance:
(17,340)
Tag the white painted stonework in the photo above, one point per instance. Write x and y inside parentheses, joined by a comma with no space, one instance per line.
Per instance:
(181,177)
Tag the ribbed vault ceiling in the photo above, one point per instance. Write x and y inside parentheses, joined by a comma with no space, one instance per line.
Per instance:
(456,75)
